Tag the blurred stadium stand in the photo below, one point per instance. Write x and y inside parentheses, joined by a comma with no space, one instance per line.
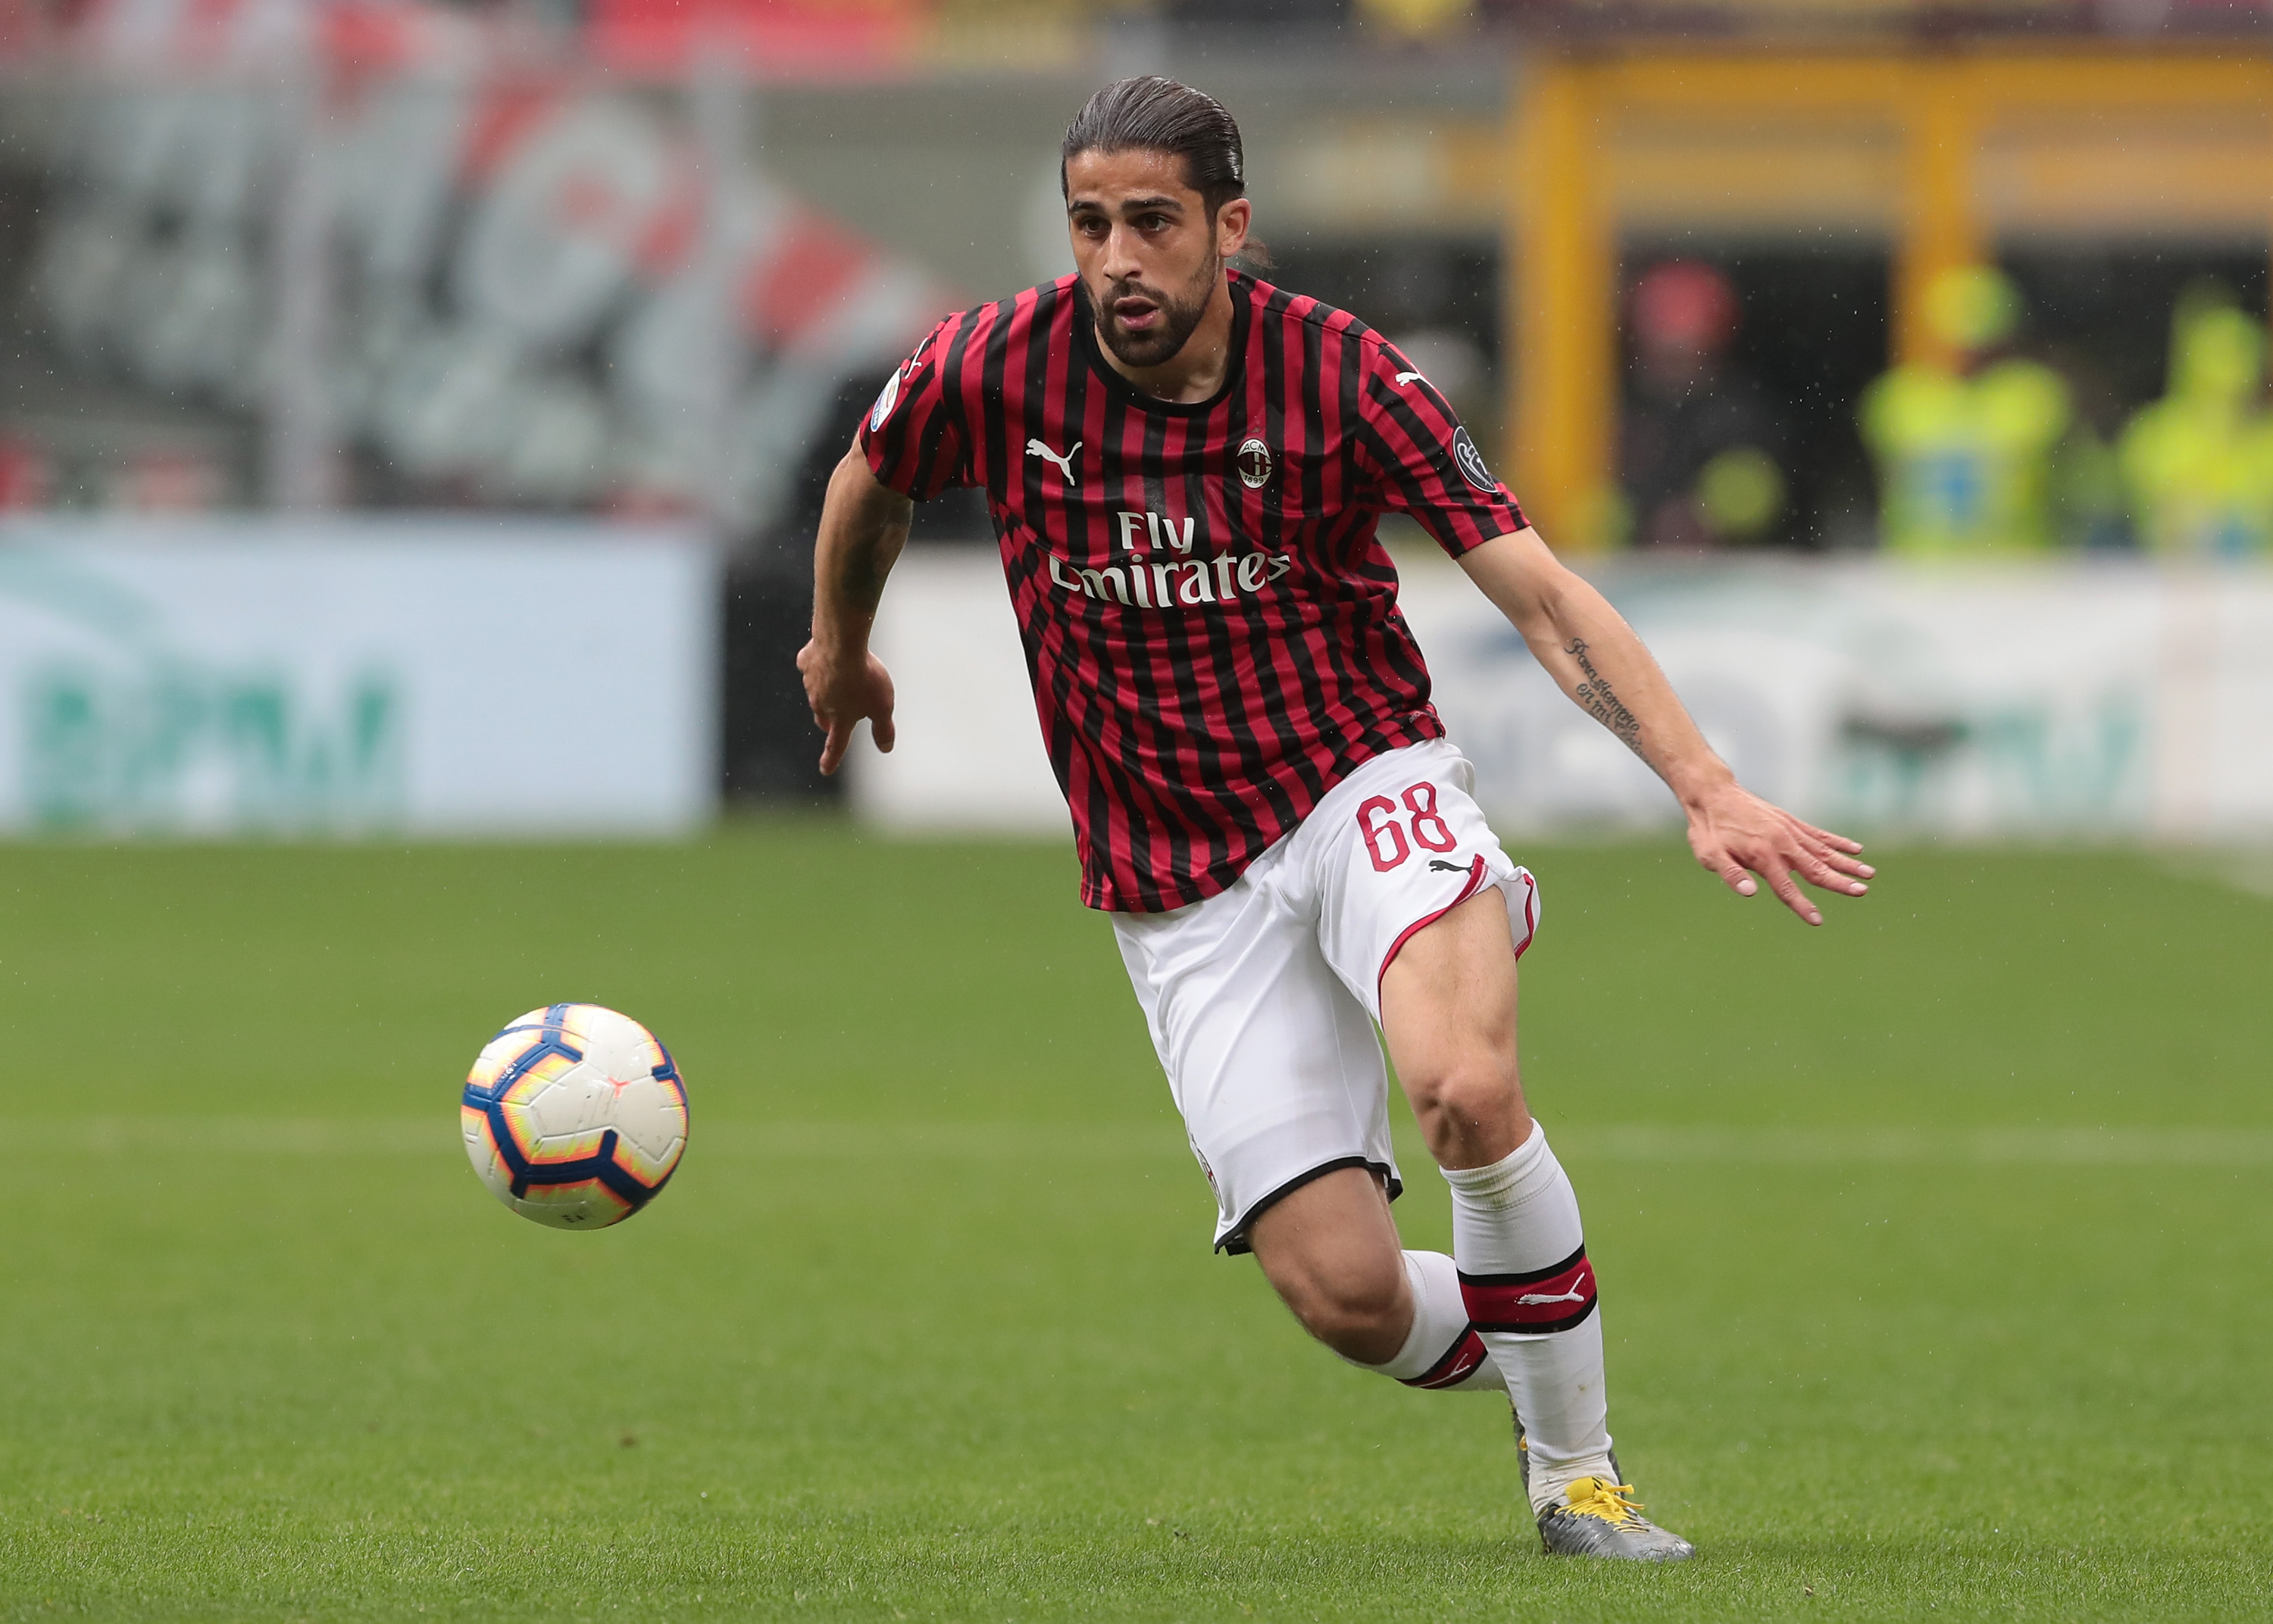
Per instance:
(645,258)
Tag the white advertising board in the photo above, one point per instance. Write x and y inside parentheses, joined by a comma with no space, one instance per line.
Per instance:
(420,676)
(2071,698)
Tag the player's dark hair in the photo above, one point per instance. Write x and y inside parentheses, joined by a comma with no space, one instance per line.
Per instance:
(1156,115)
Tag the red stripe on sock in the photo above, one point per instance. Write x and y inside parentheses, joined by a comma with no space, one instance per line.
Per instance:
(1456,1366)
(1553,1302)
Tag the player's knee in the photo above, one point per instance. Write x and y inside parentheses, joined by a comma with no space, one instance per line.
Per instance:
(1459,1103)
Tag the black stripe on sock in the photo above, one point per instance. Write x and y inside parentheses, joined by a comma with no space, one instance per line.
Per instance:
(1532,1278)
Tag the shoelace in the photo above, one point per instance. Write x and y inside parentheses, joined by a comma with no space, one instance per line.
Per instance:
(1599,1497)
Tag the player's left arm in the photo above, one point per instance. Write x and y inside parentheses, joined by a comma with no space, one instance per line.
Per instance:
(1590,650)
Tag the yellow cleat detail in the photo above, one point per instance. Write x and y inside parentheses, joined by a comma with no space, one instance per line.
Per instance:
(1598,1497)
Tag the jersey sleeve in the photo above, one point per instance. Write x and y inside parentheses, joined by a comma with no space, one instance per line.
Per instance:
(913,437)
(1417,458)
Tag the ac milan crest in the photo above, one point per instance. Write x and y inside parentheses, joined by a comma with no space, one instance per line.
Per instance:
(1255,464)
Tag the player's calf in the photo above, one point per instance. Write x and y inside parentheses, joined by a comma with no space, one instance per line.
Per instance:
(1364,1316)
(1330,1250)
(1331,1253)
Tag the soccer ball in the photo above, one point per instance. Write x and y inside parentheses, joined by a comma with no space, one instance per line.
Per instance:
(574,1116)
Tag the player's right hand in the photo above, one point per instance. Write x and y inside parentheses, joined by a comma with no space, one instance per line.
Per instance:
(841,692)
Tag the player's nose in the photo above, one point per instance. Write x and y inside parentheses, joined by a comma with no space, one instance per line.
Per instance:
(1122,263)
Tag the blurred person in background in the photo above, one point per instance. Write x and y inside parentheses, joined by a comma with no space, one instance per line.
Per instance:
(2197,465)
(1983,455)
(1699,457)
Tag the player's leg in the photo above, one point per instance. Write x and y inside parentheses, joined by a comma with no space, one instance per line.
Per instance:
(1422,916)
(1448,1015)
(1448,1006)
(1330,1250)
(1284,1094)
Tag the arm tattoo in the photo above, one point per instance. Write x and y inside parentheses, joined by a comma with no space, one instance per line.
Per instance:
(1602,701)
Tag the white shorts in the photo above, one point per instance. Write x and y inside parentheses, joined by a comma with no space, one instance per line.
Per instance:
(1263,998)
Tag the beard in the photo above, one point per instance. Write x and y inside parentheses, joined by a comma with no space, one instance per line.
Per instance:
(1177,318)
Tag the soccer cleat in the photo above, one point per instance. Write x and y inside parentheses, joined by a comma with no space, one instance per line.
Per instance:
(1596,1519)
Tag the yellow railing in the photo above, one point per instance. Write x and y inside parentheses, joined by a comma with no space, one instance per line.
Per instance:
(1938,153)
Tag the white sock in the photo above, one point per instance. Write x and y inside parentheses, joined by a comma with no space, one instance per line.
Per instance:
(1530,1292)
(1442,1351)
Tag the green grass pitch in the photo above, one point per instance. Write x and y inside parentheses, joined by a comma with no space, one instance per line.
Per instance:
(1935,1246)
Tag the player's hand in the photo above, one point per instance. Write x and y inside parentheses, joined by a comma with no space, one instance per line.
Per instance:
(841,693)
(1736,834)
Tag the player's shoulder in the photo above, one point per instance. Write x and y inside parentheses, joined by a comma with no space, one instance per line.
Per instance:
(1369,369)
(1289,309)
(1046,305)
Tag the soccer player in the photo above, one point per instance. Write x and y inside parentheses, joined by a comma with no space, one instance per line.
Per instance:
(1185,468)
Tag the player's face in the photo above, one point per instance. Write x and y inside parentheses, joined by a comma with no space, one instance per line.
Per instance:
(1147,252)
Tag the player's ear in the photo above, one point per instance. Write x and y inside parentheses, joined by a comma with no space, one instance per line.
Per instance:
(1231,223)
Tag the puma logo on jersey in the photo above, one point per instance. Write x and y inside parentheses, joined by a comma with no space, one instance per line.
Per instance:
(1035,448)
(1404,378)
(1438,866)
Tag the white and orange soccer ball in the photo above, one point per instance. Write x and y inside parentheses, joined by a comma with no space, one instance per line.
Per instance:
(574,1116)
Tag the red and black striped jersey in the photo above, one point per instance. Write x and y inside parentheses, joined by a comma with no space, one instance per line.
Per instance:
(1210,620)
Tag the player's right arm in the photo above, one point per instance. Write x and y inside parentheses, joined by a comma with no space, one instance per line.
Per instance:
(863,524)
(910,448)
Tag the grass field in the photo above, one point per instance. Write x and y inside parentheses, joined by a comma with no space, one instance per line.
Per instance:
(1935,1249)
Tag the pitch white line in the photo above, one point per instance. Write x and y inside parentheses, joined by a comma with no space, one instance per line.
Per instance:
(2049,1147)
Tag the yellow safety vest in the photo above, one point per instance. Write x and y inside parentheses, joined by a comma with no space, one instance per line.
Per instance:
(2200,475)
(1965,463)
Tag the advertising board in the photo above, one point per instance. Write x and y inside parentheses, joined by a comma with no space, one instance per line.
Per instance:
(2077,698)
(418,677)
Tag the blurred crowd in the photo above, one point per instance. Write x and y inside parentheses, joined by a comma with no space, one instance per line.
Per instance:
(394,254)
(1980,450)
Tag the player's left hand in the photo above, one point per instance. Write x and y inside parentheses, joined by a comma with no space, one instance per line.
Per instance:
(1736,834)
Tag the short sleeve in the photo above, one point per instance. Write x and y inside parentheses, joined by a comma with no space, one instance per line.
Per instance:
(911,437)
(1419,459)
